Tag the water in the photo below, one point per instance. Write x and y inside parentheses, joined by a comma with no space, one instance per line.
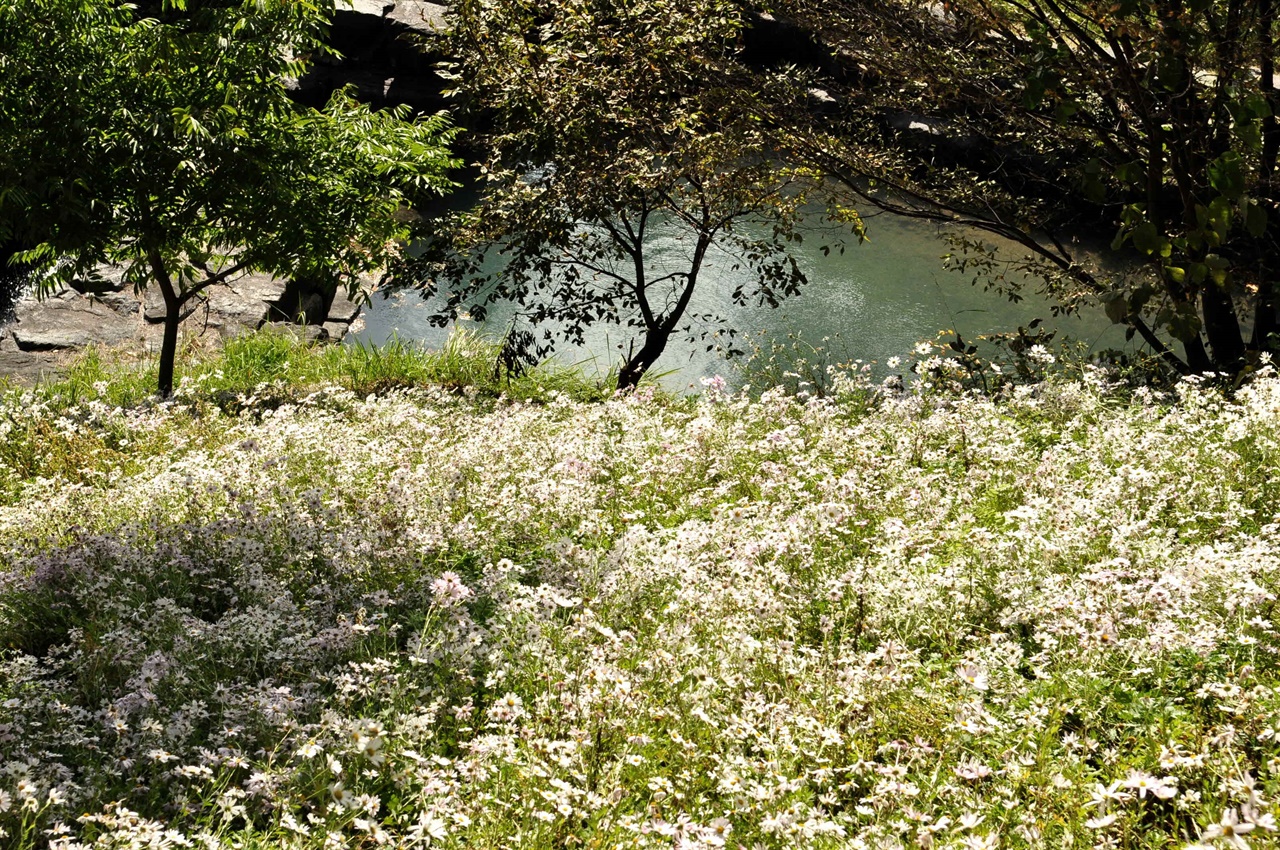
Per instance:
(874,301)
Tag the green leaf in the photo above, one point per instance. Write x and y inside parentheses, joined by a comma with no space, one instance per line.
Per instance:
(1227,175)
(1117,309)
(1147,239)
(1255,218)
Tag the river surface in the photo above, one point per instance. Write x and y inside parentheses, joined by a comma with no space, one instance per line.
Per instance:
(876,300)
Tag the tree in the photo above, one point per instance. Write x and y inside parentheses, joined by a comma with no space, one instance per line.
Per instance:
(183,157)
(1037,115)
(607,118)
(45,124)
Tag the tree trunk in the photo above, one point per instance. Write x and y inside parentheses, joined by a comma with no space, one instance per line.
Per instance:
(169,348)
(1264,312)
(1222,329)
(655,342)
(172,318)
(1198,361)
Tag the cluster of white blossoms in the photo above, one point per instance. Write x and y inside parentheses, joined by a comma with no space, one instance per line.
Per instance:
(909,619)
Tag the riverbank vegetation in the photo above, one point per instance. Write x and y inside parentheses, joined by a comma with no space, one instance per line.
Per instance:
(1146,124)
(167,144)
(1151,124)
(324,613)
(625,147)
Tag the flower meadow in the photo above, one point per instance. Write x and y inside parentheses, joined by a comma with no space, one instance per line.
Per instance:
(878,617)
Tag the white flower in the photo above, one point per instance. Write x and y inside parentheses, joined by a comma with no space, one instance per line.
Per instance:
(427,829)
(1040,354)
(342,798)
(1144,783)
(309,749)
(507,710)
(1231,829)
(717,832)
(1101,795)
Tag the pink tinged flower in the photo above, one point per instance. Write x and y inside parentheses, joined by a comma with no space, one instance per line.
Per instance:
(972,770)
(973,676)
(448,589)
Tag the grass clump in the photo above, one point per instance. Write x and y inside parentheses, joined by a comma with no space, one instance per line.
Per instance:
(413,607)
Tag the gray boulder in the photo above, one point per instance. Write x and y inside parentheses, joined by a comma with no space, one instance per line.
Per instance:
(383,53)
(343,309)
(306,333)
(336,331)
(244,302)
(29,367)
(69,320)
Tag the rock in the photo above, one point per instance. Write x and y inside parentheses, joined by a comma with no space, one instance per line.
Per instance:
(108,277)
(915,123)
(372,31)
(298,305)
(245,301)
(26,367)
(418,16)
(370,16)
(378,8)
(343,309)
(770,42)
(336,331)
(381,55)
(124,303)
(153,306)
(72,321)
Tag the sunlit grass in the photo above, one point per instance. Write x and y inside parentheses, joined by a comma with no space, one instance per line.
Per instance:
(43,427)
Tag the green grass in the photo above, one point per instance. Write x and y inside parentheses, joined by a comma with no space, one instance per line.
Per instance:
(252,372)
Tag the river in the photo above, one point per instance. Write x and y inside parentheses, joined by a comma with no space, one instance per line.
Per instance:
(876,300)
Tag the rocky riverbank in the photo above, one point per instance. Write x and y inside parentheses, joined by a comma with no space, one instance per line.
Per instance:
(46,333)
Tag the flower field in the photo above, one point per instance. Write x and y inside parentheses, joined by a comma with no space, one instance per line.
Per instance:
(431,617)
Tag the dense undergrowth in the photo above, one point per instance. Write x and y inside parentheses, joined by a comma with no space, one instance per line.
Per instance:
(349,599)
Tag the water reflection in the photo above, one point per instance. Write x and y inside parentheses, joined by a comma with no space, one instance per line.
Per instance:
(874,301)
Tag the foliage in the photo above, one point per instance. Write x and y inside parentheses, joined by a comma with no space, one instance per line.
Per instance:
(939,619)
(54,58)
(188,163)
(606,120)
(1022,118)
